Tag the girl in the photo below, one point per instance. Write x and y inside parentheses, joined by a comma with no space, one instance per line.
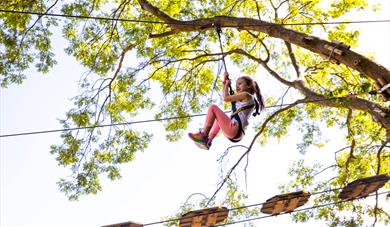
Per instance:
(232,127)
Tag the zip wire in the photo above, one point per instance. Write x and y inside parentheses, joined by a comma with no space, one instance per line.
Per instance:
(80,16)
(162,22)
(101,126)
(267,216)
(145,121)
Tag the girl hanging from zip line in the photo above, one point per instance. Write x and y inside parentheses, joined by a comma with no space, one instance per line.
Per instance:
(247,98)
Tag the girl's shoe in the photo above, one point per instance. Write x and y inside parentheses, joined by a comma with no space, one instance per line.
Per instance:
(201,140)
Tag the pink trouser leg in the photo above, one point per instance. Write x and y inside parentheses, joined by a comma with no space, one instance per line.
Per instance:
(217,120)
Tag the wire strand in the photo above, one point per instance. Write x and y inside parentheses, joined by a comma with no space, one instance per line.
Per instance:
(303,209)
(258,204)
(145,121)
(100,126)
(172,23)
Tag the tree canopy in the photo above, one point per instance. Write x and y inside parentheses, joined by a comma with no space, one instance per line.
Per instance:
(175,45)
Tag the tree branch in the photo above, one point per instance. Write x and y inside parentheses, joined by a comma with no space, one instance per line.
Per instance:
(378,156)
(293,59)
(36,21)
(353,143)
(314,44)
(262,128)
(263,44)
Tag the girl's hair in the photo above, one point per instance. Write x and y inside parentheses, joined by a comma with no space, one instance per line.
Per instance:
(254,89)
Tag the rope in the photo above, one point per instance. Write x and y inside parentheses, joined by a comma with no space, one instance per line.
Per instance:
(168,23)
(219,31)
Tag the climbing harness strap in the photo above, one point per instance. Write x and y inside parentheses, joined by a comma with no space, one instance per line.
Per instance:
(237,137)
(235,116)
(242,108)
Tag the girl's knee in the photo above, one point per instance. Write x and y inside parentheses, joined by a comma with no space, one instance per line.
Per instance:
(213,107)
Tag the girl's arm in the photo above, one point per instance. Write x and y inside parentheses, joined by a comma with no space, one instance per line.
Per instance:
(242,96)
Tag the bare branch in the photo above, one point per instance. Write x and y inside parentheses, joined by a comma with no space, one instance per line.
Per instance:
(323,170)
(353,144)
(156,11)
(36,21)
(283,96)
(375,209)
(290,15)
(293,59)
(164,34)
(263,44)
(378,156)
(233,5)
(262,128)
(258,10)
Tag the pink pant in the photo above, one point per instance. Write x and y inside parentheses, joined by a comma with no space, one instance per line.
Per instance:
(216,119)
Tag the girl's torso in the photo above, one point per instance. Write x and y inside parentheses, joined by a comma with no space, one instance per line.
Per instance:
(246,113)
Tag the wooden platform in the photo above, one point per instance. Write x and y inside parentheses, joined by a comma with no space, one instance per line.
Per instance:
(204,218)
(285,202)
(363,187)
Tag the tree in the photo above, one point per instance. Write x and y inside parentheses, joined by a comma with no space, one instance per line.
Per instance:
(174,44)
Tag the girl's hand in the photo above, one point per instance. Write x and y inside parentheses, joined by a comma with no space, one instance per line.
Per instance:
(225,76)
(226,82)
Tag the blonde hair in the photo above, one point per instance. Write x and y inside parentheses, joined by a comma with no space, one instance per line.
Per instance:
(254,89)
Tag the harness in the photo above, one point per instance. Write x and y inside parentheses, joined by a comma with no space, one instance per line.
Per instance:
(235,116)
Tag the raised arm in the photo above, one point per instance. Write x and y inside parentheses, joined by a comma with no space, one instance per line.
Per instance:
(232,98)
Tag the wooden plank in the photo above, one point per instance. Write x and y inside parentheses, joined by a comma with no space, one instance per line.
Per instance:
(292,204)
(285,202)
(206,217)
(357,190)
(278,207)
(125,224)
(197,221)
(363,187)
(370,188)
(211,219)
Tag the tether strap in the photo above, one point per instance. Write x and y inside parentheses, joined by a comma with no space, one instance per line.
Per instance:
(219,31)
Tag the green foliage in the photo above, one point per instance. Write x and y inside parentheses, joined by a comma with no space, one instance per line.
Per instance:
(22,43)
(175,76)
(88,163)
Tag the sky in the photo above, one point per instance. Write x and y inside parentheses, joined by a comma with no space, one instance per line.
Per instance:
(160,179)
